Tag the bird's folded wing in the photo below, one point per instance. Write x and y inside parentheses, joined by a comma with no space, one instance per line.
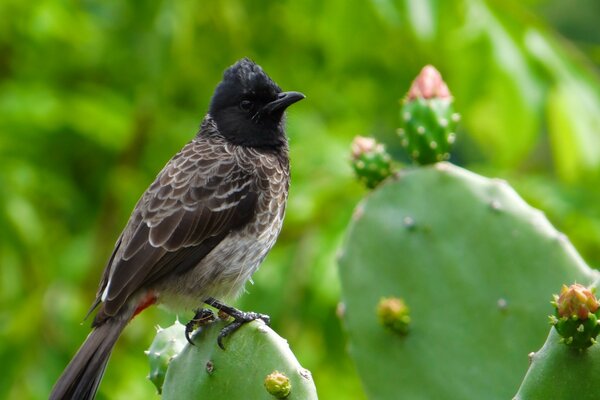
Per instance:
(197,199)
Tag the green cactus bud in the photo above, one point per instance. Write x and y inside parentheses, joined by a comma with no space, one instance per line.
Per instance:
(166,345)
(278,385)
(576,319)
(393,313)
(428,120)
(370,161)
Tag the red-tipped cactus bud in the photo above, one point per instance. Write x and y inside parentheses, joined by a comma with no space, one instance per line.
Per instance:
(428,120)
(394,314)
(429,85)
(576,317)
(576,300)
(278,385)
(370,161)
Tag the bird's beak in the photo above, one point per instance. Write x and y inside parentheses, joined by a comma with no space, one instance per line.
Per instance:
(284,100)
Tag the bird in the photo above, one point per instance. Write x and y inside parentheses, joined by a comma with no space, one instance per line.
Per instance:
(202,228)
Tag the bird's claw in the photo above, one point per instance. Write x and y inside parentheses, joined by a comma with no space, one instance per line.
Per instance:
(202,317)
(239,318)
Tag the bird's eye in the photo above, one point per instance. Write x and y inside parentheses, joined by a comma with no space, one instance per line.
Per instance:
(245,105)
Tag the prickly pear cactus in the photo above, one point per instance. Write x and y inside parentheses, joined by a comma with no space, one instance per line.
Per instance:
(428,120)
(371,163)
(562,372)
(256,364)
(474,264)
(166,345)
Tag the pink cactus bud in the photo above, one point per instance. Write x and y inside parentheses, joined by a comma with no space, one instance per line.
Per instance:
(428,85)
(362,145)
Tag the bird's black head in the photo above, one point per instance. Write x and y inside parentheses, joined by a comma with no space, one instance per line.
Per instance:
(248,107)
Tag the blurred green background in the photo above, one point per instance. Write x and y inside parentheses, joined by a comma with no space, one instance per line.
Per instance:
(95,97)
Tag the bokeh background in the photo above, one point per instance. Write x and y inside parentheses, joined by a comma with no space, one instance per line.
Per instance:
(95,97)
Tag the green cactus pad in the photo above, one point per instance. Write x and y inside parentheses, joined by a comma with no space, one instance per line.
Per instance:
(166,345)
(204,371)
(559,372)
(476,265)
(427,129)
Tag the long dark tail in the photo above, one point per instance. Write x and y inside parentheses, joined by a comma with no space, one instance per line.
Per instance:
(82,376)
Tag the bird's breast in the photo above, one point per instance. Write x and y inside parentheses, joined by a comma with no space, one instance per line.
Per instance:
(223,272)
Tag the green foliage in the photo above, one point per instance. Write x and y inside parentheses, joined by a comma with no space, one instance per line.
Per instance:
(256,364)
(475,264)
(96,96)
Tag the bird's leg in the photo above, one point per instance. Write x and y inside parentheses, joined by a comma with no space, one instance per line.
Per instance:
(239,318)
(202,317)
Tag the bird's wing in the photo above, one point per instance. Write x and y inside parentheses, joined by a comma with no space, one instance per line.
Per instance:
(197,199)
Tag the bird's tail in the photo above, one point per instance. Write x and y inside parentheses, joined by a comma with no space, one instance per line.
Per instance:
(82,376)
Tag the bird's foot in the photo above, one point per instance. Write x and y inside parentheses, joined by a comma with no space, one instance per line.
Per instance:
(203,317)
(239,318)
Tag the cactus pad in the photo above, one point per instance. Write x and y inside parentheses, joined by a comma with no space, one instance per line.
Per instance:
(253,352)
(559,372)
(476,265)
(166,345)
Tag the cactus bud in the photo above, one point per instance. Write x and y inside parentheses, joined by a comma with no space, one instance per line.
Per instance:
(370,161)
(576,300)
(428,120)
(576,319)
(166,345)
(393,313)
(429,85)
(278,385)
